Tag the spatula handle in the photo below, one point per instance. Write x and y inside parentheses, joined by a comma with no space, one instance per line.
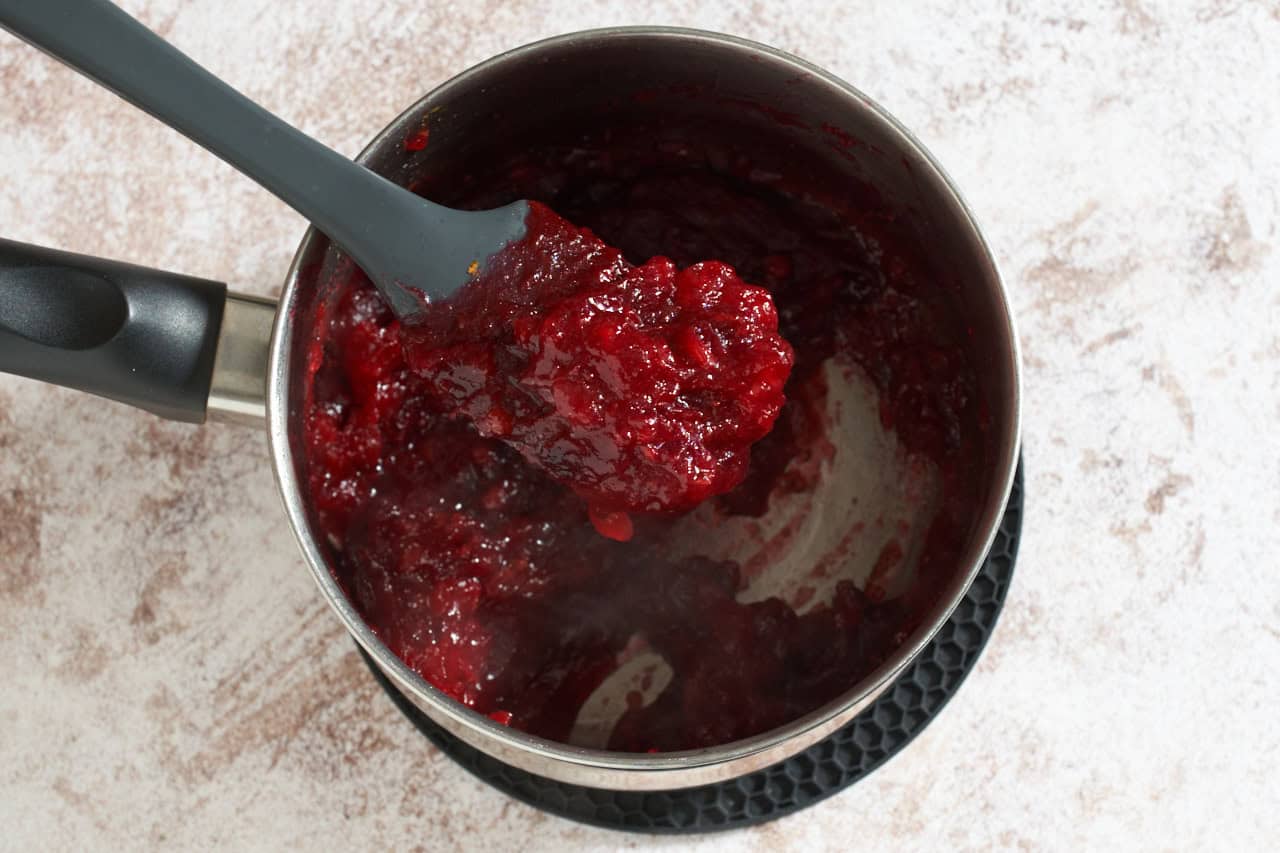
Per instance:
(356,208)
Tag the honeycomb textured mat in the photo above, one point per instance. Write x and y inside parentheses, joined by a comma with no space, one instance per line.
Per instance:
(879,732)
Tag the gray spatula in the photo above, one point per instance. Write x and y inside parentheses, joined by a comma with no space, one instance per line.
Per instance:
(416,252)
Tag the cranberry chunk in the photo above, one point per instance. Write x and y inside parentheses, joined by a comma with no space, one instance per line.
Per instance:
(641,388)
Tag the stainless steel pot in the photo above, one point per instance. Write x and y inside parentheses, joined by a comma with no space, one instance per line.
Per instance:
(511,95)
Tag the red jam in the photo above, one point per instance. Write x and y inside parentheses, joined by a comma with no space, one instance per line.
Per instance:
(475,556)
(641,388)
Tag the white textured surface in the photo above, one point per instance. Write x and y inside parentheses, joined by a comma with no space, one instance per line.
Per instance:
(168,675)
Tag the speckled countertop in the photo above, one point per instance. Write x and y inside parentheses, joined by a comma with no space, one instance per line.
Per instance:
(169,676)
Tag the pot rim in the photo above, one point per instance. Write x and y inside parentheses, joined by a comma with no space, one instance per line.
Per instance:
(673,769)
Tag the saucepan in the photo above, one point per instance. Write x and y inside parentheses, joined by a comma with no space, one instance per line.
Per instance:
(190,350)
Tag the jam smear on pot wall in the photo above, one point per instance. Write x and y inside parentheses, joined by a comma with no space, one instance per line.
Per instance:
(641,388)
(486,575)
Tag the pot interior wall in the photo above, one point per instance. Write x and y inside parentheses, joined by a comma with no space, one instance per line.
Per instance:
(796,131)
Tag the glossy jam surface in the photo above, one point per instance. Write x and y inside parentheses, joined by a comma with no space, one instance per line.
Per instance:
(485,573)
(641,388)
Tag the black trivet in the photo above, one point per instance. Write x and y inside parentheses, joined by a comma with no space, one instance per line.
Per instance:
(879,732)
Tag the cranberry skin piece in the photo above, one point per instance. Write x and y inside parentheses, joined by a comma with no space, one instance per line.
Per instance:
(612,525)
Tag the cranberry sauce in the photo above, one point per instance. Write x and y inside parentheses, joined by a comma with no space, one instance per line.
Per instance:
(641,388)
(483,571)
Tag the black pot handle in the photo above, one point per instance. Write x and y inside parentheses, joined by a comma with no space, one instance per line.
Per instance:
(141,336)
